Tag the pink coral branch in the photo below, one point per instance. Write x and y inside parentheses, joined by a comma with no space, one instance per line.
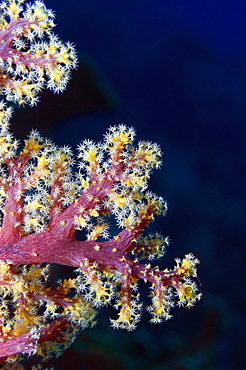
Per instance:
(25,343)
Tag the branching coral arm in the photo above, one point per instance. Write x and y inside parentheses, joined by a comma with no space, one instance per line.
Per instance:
(31,56)
(55,203)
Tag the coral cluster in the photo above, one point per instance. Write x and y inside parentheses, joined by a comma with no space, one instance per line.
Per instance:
(31,56)
(92,219)
(44,202)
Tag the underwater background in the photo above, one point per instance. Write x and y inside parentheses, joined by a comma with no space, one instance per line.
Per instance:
(176,71)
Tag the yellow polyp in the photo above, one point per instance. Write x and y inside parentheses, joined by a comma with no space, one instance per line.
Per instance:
(91,155)
(94,213)
(23,324)
(32,146)
(80,221)
(159,309)
(120,201)
(14,9)
(125,314)
(39,13)
(186,265)
(4,146)
(67,284)
(4,268)
(96,232)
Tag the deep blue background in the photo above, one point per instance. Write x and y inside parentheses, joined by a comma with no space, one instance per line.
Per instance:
(176,71)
